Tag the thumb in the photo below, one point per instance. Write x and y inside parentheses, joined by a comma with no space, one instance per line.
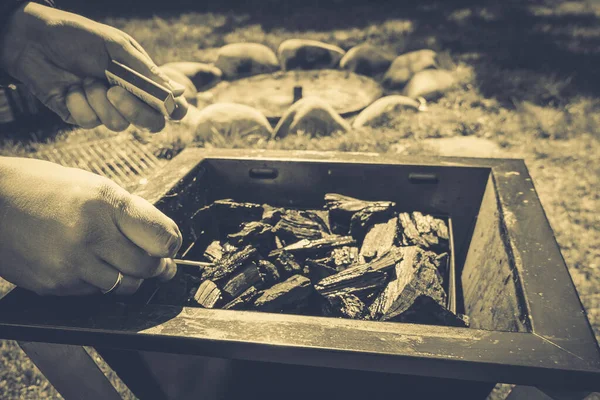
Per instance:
(129,55)
(148,228)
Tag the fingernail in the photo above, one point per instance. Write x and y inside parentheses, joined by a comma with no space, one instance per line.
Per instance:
(174,246)
(177,88)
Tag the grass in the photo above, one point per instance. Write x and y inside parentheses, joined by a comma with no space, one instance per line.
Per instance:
(527,80)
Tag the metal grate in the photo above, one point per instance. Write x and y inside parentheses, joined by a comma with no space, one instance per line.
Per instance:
(122,158)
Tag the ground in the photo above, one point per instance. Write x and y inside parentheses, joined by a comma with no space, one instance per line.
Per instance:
(527,74)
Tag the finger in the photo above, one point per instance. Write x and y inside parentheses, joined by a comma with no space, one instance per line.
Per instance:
(80,109)
(169,272)
(134,110)
(147,227)
(128,258)
(95,92)
(103,276)
(126,53)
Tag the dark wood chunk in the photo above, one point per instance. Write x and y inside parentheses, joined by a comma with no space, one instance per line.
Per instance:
(415,275)
(315,248)
(362,279)
(344,257)
(208,294)
(295,225)
(244,300)
(269,272)
(230,264)
(288,294)
(287,264)
(427,311)
(379,239)
(230,214)
(238,283)
(271,215)
(319,269)
(347,306)
(214,251)
(255,233)
(343,208)
(443,263)
(425,231)
(228,248)
(364,219)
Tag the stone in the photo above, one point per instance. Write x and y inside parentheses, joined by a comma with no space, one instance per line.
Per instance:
(202,75)
(190,89)
(308,54)
(367,60)
(463,146)
(311,116)
(229,120)
(245,59)
(384,110)
(429,84)
(406,65)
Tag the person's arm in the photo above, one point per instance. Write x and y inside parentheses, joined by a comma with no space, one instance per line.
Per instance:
(62,57)
(65,231)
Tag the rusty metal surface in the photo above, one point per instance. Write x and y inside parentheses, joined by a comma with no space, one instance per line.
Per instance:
(560,348)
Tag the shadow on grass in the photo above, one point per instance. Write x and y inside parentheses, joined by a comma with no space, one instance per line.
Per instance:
(547,46)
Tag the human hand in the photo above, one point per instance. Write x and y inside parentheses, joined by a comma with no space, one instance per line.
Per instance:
(65,231)
(61,57)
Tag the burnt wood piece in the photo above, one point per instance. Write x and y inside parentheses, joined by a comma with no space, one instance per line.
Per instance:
(443,263)
(427,311)
(271,215)
(362,279)
(208,294)
(364,219)
(342,209)
(295,225)
(379,239)
(288,294)
(315,248)
(214,251)
(238,283)
(344,257)
(287,264)
(415,275)
(244,300)
(230,264)
(320,269)
(230,215)
(426,231)
(268,272)
(255,233)
(347,306)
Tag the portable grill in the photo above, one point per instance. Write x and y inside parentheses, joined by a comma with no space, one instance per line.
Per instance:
(527,323)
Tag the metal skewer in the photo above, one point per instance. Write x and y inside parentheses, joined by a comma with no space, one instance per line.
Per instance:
(193,263)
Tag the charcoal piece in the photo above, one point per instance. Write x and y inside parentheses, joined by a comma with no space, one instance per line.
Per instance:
(228,248)
(362,279)
(208,294)
(320,269)
(288,294)
(379,239)
(214,251)
(255,233)
(443,263)
(344,257)
(425,231)
(295,225)
(347,306)
(178,291)
(427,311)
(278,243)
(268,272)
(415,275)
(238,283)
(342,209)
(315,248)
(230,214)
(230,264)
(244,300)
(287,264)
(271,215)
(364,219)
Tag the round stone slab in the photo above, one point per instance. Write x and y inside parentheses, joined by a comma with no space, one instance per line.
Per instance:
(272,94)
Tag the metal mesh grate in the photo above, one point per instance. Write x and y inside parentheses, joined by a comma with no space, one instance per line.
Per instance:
(121,158)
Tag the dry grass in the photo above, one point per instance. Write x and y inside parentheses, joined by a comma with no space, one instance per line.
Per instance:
(527,81)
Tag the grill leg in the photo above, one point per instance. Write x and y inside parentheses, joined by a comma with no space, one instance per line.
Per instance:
(71,371)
